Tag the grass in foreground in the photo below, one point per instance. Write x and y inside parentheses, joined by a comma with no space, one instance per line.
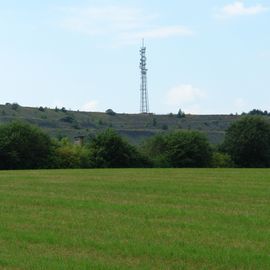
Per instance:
(135,219)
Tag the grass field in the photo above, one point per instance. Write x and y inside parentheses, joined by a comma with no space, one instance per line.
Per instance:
(135,219)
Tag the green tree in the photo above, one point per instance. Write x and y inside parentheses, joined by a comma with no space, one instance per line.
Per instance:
(109,150)
(248,142)
(188,149)
(23,146)
(69,155)
(179,149)
(181,114)
(15,106)
(110,112)
(155,148)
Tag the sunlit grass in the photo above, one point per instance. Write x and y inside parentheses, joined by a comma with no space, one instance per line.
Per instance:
(135,219)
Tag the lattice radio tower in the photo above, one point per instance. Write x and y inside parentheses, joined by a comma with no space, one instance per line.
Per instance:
(144,108)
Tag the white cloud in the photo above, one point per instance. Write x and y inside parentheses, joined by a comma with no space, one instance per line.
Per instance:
(239,8)
(123,24)
(184,94)
(90,106)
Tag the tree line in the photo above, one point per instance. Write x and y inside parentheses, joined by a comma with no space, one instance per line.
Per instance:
(246,144)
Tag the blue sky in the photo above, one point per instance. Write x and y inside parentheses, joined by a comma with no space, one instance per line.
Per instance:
(205,57)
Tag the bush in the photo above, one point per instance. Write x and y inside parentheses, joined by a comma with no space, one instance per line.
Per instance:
(179,149)
(165,127)
(222,160)
(68,119)
(15,106)
(109,150)
(188,149)
(110,112)
(23,146)
(68,155)
(248,142)
(258,112)
(155,148)
(181,114)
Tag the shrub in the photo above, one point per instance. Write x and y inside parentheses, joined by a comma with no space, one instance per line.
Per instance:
(15,106)
(155,148)
(248,142)
(68,119)
(222,160)
(179,149)
(68,155)
(110,112)
(23,146)
(181,114)
(188,149)
(165,127)
(109,150)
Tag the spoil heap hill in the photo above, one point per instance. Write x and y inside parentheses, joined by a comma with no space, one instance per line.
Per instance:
(135,127)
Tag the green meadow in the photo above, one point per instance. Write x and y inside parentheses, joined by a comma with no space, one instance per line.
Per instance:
(135,219)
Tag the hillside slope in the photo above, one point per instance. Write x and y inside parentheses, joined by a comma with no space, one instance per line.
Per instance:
(135,127)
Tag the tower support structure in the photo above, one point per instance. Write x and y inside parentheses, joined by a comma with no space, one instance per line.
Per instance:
(144,102)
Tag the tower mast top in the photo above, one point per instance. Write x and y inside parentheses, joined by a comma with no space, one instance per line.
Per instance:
(144,106)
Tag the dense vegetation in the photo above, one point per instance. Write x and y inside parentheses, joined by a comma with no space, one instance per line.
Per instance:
(61,122)
(24,147)
(247,144)
(179,149)
(135,219)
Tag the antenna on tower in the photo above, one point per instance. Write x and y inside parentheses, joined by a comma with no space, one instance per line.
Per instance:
(144,106)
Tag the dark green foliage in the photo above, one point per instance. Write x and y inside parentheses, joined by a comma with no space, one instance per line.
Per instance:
(109,150)
(155,148)
(248,142)
(76,125)
(41,109)
(181,114)
(23,146)
(15,106)
(68,119)
(63,109)
(110,112)
(165,127)
(258,112)
(188,149)
(179,149)
(221,160)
